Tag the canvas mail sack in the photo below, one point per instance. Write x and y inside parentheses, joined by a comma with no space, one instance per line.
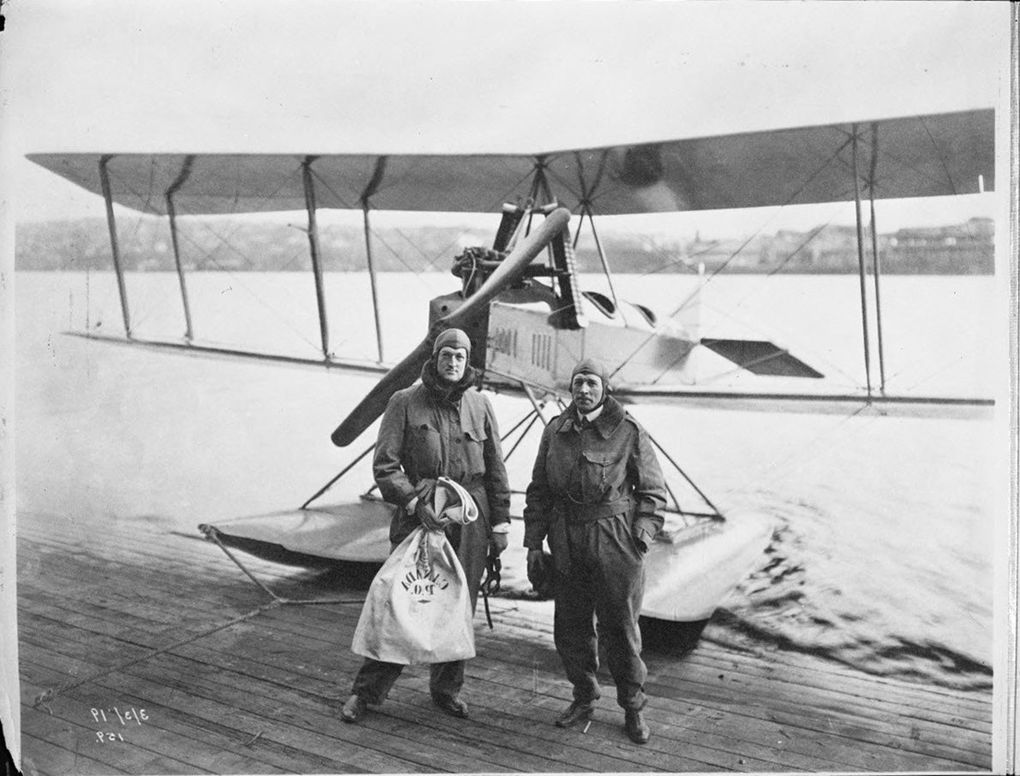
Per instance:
(418,609)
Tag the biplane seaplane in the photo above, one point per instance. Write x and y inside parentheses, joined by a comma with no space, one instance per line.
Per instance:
(529,319)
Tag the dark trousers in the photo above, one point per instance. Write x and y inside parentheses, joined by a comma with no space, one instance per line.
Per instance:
(375,679)
(605,581)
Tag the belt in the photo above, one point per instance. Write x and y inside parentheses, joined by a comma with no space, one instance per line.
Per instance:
(586,513)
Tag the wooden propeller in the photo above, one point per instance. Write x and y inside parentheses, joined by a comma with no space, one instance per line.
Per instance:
(406,372)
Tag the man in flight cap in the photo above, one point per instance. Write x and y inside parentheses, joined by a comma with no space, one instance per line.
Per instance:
(435,428)
(596,494)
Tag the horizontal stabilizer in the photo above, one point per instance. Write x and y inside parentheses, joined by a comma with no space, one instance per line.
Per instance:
(760,357)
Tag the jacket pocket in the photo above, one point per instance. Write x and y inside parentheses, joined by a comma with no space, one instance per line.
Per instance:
(474,450)
(425,453)
(597,474)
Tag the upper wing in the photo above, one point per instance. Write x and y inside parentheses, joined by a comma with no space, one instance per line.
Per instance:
(916,156)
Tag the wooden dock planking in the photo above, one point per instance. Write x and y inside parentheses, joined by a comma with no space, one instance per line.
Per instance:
(754,737)
(59,760)
(232,749)
(223,683)
(317,753)
(245,733)
(77,738)
(425,718)
(709,760)
(956,721)
(812,673)
(284,673)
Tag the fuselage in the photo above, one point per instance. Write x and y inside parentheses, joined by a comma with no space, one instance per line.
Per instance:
(520,339)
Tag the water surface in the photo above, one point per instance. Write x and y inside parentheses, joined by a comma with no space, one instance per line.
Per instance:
(886,528)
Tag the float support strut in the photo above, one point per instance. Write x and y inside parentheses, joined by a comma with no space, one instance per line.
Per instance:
(718,515)
(333,481)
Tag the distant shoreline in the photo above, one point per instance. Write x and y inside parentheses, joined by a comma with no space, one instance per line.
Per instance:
(221,245)
(432,271)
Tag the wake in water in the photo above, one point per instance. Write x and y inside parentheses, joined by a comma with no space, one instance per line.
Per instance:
(782,606)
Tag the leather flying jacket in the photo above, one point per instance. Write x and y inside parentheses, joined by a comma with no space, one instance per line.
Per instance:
(432,429)
(601,473)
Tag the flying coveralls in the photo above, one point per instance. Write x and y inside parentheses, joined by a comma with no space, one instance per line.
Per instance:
(595,488)
(428,430)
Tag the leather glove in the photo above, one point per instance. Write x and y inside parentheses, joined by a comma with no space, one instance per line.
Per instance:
(498,542)
(642,541)
(644,534)
(536,565)
(427,515)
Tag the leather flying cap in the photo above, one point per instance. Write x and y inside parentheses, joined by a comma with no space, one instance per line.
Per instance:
(592,367)
(452,338)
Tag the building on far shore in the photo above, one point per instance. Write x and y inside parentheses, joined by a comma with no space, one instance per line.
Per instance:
(958,249)
(218,244)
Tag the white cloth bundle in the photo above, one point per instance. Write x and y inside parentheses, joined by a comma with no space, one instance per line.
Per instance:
(418,609)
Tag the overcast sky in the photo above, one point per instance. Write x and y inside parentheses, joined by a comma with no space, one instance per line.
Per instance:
(330,76)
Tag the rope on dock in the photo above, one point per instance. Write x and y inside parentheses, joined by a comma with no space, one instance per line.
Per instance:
(276,601)
(54,692)
(213,535)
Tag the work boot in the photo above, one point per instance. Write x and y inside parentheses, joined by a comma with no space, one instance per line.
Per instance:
(453,706)
(637,728)
(578,711)
(354,709)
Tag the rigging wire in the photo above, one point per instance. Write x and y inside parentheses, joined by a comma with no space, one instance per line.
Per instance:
(939,153)
(225,240)
(744,244)
(751,293)
(815,355)
(778,468)
(374,232)
(235,280)
(942,368)
(889,157)
(430,261)
(380,239)
(767,221)
(136,226)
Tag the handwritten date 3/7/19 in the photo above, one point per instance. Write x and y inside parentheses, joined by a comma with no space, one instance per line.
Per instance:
(114,714)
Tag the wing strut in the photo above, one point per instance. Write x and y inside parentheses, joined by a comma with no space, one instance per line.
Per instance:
(380,167)
(171,212)
(875,258)
(371,278)
(586,210)
(104,177)
(860,263)
(313,245)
